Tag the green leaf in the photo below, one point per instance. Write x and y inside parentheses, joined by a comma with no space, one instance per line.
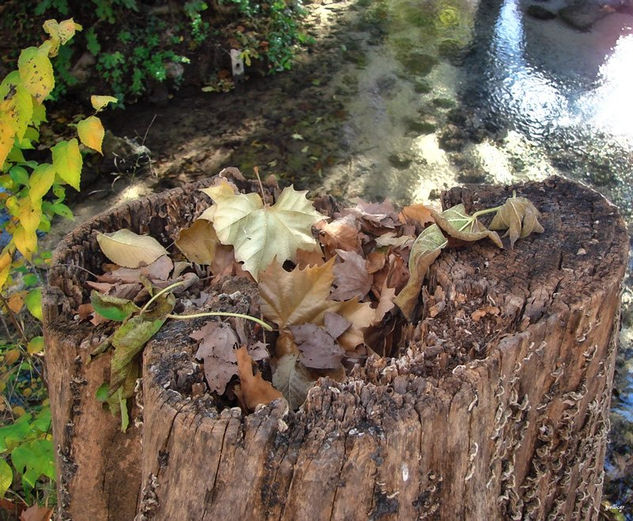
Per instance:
(34,459)
(519,216)
(42,421)
(6,477)
(68,162)
(41,180)
(103,392)
(36,72)
(33,301)
(35,345)
(125,417)
(63,210)
(19,175)
(12,435)
(112,308)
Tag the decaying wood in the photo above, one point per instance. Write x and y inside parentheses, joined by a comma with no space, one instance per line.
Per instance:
(495,408)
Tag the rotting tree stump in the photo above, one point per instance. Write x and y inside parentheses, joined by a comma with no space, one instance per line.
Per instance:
(478,418)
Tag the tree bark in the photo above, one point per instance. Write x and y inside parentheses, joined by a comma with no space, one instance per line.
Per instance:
(495,408)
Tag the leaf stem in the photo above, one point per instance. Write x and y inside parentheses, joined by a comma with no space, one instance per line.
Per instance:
(266,326)
(485,211)
(161,292)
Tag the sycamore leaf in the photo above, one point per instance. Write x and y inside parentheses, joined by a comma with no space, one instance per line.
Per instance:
(253,388)
(36,72)
(112,308)
(293,380)
(458,224)
(91,132)
(260,233)
(318,349)
(296,297)
(351,276)
(41,180)
(100,102)
(198,242)
(128,249)
(424,251)
(519,216)
(67,162)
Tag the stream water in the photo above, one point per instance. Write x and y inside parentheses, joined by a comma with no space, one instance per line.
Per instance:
(404,98)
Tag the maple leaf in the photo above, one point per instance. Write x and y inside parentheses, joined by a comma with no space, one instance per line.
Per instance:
(351,276)
(253,388)
(259,233)
(298,296)
(424,251)
(458,224)
(519,216)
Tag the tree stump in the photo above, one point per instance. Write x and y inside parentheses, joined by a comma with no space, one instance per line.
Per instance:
(481,416)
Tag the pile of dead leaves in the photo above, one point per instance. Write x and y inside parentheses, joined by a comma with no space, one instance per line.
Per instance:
(325,282)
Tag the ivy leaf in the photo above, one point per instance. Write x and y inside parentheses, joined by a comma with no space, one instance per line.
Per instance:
(198,242)
(260,233)
(253,388)
(129,249)
(67,162)
(293,380)
(100,102)
(91,132)
(112,308)
(425,250)
(36,72)
(296,297)
(519,216)
(458,224)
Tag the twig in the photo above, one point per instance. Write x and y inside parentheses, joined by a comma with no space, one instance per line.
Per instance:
(222,314)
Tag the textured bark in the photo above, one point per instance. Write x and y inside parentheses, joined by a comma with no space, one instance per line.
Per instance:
(498,416)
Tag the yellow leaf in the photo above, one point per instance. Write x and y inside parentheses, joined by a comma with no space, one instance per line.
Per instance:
(260,233)
(30,214)
(67,162)
(198,242)
(11,356)
(5,267)
(41,180)
(67,29)
(128,249)
(51,27)
(25,242)
(36,72)
(91,133)
(7,138)
(35,345)
(100,102)
(18,410)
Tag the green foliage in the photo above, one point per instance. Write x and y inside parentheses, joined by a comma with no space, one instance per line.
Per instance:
(199,28)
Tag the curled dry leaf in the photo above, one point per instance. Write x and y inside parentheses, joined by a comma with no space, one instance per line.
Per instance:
(519,216)
(351,277)
(424,251)
(340,234)
(390,239)
(417,213)
(128,249)
(260,233)
(36,513)
(458,224)
(253,388)
(198,242)
(292,379)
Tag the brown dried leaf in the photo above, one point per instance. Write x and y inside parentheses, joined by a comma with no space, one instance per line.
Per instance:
(217,341)
(351,277)
(296,297)
(390,239)
(519,216)
(129,249)
(253,388)
(385,303)
(361,315)
(318,349)
(335,324)
(417,213)
(478,314)
(157,270)
(198,242)
(36,513)
(293,380)
(342,233)
(309,258)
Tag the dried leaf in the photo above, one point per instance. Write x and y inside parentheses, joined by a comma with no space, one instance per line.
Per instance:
(519,216)
(390,239)
(309,258)
(36,513)
(128,249)
(458,224)
(217,352)
(253,388)
(342,233)
(335,324)
(385,303)
(156,271)
(424,251)
(360,315)
(351,277)
(293,380)
(486,310)
(296,297)
(198,242)
(417,213)
(378,215)
(260,233)
(318,349)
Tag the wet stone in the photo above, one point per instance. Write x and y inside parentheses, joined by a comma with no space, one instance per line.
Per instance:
(453,51)
(539,12)
(400,160)
(452,138)
(443,103)
(419,63)
(420,126)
